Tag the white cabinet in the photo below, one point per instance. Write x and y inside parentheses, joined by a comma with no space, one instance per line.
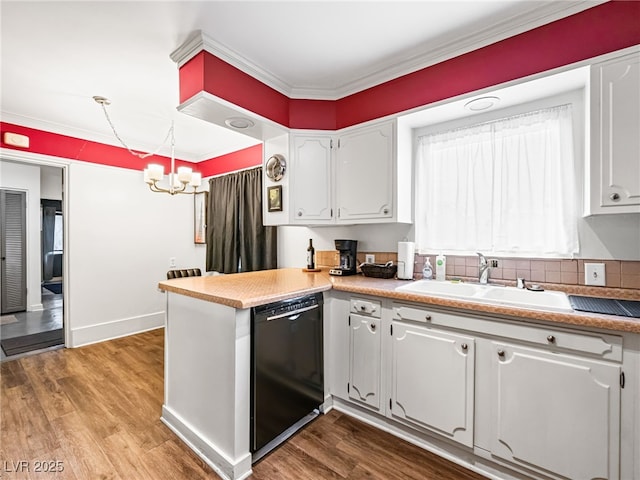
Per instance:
(310,183)
(351,176)
(365,173)
(555,413)
(613,184)
(365,348)
(432,377)
(365,352)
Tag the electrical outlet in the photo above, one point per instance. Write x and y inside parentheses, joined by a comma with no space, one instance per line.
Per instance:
(172,262)
(594,274)
(369,258)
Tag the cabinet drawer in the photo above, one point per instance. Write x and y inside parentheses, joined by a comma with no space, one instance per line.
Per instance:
(600,345)
(372,308)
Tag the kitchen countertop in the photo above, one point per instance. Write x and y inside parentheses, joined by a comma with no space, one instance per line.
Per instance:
(251,289)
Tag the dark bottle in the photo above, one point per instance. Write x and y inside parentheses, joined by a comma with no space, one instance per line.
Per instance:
(311,256)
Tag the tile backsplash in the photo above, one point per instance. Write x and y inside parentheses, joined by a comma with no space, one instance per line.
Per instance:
(619,273)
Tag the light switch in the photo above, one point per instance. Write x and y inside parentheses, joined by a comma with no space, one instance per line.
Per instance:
(594,274)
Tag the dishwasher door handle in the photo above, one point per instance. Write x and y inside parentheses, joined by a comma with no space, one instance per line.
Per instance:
(295,313)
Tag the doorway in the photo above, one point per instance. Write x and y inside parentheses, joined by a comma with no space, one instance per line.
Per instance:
(37,323)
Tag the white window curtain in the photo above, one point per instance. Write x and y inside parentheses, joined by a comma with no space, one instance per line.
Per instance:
(504,187)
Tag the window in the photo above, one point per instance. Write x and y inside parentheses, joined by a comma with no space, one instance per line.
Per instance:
(502,187)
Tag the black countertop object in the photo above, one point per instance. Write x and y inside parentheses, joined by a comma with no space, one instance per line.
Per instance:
(608,306)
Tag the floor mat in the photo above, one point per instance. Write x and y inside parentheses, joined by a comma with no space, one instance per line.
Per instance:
(54,287)
(7,319)
(36,341)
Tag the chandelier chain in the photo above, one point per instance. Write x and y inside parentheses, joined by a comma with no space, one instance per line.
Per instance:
(139,155)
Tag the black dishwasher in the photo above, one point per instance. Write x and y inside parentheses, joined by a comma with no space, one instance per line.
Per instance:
(287,374)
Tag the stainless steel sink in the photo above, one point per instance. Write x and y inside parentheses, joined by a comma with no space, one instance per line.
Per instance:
(500,295)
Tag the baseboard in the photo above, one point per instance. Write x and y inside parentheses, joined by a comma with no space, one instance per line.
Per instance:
(115,329)
(217,460)
(36,307)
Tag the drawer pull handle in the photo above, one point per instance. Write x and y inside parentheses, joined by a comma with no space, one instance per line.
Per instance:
(363,308)
(464,347)
(501,353)
(551,339)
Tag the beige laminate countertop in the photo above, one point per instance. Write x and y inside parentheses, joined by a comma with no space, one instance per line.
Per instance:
(250,289)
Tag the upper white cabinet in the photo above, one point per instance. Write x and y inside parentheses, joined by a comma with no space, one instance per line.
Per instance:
(346,177)
(311,173)
(613,185)
(365,173)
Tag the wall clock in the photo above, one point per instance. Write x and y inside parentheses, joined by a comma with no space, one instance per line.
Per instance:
(275,168)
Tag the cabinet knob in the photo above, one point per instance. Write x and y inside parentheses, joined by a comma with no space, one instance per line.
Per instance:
(464,347)
(427,317)
(373,327)
(501,353)
(363,308)
(551,339)
(615,197)
(385,211)
(299,213)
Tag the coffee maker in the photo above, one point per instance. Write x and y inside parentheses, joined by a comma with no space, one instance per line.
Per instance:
(348,264)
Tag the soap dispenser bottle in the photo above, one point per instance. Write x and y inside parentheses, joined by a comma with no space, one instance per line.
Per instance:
(427,271)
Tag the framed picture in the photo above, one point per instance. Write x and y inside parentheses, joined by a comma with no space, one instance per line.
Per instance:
(200,217)
(274,197)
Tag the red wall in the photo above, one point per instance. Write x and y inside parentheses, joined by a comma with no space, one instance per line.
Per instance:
(77,149)
(605,28)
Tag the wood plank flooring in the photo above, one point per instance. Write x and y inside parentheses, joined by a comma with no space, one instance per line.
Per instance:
(94,413)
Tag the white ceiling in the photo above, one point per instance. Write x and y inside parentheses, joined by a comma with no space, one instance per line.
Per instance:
(57,55)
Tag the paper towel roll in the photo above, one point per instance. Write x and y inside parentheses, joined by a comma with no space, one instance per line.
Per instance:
(406,254)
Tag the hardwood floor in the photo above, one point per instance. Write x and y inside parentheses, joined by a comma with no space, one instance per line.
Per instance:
(94,413)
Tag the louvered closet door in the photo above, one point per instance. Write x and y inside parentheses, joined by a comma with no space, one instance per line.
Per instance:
(13,251)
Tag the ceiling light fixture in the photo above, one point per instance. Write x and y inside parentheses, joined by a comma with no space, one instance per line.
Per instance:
(482,103)
(239,122)
(154,173)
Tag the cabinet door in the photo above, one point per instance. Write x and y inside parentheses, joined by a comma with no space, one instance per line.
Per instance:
(365,174)
(615,127)
(365,348)
(555,413)
(311,179)
(433,380)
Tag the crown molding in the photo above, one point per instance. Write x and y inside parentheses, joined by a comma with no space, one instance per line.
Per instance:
(200,41)
(451,46)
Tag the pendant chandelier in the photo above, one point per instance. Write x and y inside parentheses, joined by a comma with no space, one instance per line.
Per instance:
(178,181)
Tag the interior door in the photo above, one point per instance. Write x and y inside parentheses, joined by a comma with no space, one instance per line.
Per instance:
(13,271)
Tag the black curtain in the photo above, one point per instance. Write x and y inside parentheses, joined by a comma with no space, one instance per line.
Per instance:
(236,237)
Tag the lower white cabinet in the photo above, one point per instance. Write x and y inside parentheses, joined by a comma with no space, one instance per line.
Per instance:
(532,399)
(432,378)
(554,412)
(365,348)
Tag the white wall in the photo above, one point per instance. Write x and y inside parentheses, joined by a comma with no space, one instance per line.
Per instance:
(51,183)
(121,236)
(293,241)
(16,176)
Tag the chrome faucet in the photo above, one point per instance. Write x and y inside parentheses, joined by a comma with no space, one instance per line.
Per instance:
(483,269)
